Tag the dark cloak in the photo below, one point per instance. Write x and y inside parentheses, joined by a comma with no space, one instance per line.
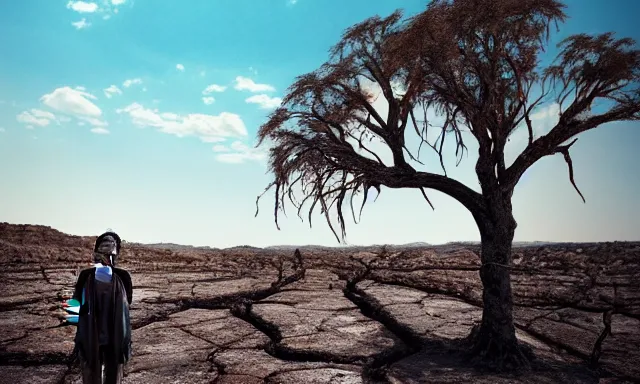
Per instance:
(87,334)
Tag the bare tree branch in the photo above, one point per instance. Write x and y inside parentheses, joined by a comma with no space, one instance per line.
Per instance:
(329,107)
(564,150)
(590,68)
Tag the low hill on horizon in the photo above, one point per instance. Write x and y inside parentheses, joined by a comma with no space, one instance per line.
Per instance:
(35,234)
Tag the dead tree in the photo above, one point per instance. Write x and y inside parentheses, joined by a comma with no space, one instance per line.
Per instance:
(297,266)
(475,63)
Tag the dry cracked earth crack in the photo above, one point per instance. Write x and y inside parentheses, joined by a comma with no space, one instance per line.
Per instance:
(399,323)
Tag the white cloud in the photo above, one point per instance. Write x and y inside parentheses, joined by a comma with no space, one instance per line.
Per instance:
(142,116)
(253,70)
(542,121)
(82,7)
(213,88)
(72,102)
(112,90)
(105,8)
(93,121)
(43,114)
(238,153)
(40,118)
(169,116)
(180,67)
(547,117)
(129,82)
(100,131)
(220,148)
(213,139)
(30,118)
(81,24)
(264,101)
(246,84)
(208,100)
(209,128)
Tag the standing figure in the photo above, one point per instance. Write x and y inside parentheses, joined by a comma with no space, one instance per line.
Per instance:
(103,336)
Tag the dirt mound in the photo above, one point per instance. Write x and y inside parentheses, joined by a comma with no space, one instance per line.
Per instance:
(40,235)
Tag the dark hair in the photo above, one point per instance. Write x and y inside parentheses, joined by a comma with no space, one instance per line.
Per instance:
(112,234)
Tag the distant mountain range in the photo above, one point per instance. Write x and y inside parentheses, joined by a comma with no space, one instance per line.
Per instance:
(178,247)
(174,247)
(39,234)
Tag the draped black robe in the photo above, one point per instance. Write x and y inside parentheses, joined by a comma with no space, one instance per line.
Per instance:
(87,334)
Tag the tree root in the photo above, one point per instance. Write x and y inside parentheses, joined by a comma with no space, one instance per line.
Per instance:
(489,353)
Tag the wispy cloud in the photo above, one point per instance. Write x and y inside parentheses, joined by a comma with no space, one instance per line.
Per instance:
(82,7)
(213,88)
(246,84)
(112,90)
(170,116)
(208,100)
(264,101)
(209,128)
(220,148)
(40,118)
(129,82)
(100,131)
(81,24)
(2,130)
(543,120)
(35,117)
(43,114)
(180,67)
(238,153)
(92,9)
(93,121)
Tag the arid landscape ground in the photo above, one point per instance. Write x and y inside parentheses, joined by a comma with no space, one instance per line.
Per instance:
(322,315)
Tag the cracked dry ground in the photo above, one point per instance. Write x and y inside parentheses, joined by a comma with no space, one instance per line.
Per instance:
(394,325)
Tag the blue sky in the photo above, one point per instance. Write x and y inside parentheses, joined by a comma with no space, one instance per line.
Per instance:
(141,116)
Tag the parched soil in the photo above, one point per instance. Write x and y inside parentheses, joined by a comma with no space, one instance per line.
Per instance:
(248,315)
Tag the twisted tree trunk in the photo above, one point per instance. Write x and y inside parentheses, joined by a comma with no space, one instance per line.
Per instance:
(494,341)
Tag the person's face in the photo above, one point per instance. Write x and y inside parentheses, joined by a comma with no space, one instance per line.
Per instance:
(106,251)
